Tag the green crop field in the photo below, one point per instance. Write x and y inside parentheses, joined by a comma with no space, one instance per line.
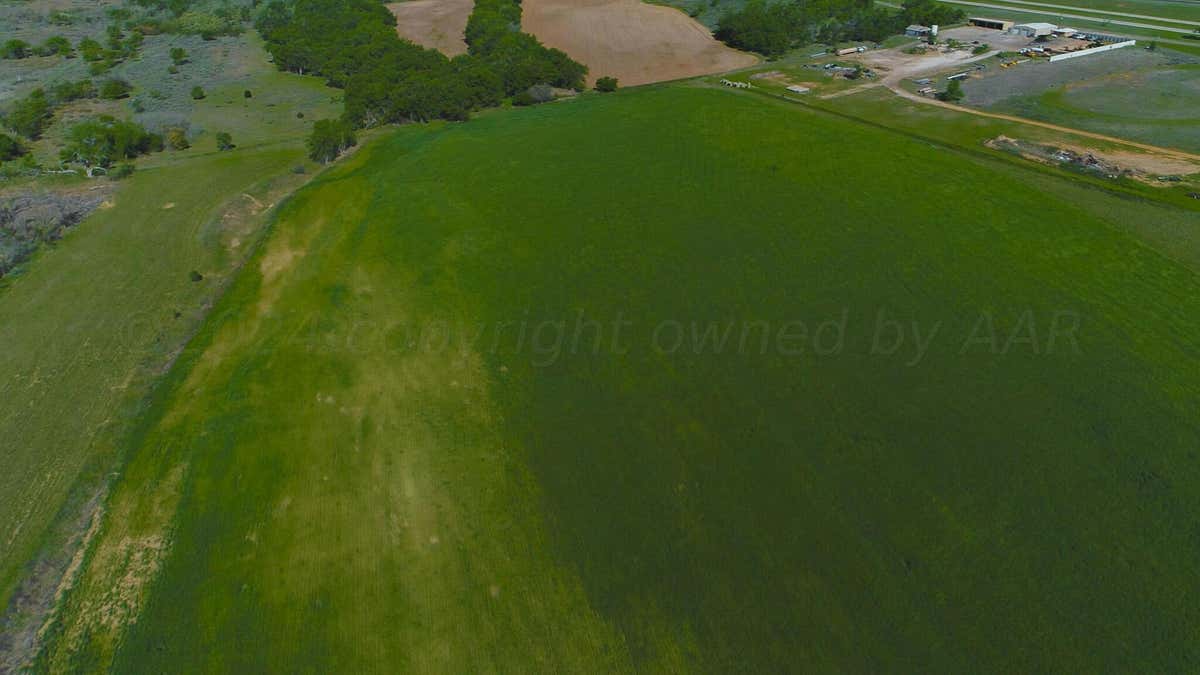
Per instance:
(469,409)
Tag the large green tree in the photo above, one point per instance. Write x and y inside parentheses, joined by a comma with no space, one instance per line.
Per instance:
(98,143)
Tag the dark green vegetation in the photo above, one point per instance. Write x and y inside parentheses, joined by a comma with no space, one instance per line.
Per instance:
(354,45)
(97,144)
(773,28)
(329,139)
(10,148)
(470,410)
(953,92)
(606,84)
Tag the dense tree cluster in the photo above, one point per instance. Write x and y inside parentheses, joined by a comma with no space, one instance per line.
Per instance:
(494,34)
(98,143)
(353,45)
(772,28)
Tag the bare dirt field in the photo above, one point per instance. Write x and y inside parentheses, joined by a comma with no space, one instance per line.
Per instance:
(437,24)
(632,41)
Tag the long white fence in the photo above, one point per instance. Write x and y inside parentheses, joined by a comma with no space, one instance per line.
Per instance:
(1093,50)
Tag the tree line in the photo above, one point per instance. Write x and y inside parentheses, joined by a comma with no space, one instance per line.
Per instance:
(353,45)
(772,28)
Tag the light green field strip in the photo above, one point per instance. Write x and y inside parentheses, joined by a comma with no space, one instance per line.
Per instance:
(88,327)
(368,535)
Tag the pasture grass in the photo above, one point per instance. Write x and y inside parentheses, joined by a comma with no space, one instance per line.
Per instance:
(92,322)
(383,454)
(1160,106)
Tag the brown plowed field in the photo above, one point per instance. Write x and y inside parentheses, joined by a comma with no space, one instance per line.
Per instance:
(434,23)
(633,41)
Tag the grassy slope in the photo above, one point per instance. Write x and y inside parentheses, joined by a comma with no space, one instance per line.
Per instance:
(92,323)
(342,499)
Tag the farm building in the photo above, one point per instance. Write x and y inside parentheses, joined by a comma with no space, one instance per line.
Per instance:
(1065,31)
(1032,30)
(797,89)
(918,31)
(994,24)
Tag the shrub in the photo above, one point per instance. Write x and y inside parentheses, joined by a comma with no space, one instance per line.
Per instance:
(329,139)
(173,69)
(953,93)
(177,138)
(57,45)
(120,171)
(247,94)
(207,26)
(197,92)
(113,89)
(606,84)
(30,115)
(195,277)
(65,92)
(224,141)
(10,148)
(15,49)
(179,55)
(982,48)
(90,49)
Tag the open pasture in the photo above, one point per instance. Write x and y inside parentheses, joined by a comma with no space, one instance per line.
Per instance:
(675,378)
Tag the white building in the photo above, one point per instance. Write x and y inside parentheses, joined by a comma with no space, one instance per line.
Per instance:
(1032,30)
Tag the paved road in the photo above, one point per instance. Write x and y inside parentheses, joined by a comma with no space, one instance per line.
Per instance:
(1103,11)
